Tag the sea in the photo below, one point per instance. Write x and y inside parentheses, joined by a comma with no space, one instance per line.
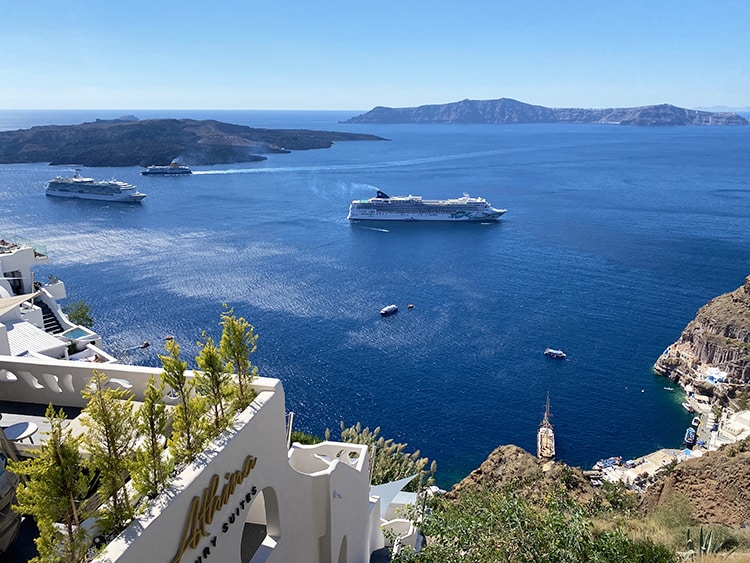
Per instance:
(613,239)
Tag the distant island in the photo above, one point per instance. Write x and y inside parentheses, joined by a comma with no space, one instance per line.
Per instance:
(128,141)
(506,111)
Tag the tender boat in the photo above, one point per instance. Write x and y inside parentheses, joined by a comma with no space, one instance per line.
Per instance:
(545,437)
(696,421)
(389,310)
(383,207)
(553,353)
(173,169)
(87,188)
(690,436)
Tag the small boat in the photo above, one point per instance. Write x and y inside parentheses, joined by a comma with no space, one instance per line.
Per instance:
(696,421)
(669,388)
(688,407)
(690,436)
(389,310)
(608,462)
(553,353)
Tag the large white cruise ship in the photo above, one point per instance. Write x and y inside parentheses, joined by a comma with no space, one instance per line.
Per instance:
(383,207)
(88,188)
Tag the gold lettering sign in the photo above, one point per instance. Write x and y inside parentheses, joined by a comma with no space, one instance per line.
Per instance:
(203,508)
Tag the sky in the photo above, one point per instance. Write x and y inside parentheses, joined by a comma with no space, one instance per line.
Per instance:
(355,55)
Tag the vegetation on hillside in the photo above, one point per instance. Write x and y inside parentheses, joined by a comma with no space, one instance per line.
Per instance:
(501,524)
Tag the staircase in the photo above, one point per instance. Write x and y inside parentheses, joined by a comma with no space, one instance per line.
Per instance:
(51,324)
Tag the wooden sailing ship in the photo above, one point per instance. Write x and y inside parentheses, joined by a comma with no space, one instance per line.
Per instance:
(545,437)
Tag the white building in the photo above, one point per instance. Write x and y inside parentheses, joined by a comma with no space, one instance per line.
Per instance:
(247,498)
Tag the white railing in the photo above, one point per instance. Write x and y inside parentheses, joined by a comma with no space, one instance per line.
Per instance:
(60,382)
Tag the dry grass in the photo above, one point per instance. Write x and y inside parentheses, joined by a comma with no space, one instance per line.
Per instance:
(669,525)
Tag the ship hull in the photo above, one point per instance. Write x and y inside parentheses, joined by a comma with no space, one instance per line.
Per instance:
(126,198)
(418,217)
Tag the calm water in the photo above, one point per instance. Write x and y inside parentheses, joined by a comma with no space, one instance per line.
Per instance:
(613,239)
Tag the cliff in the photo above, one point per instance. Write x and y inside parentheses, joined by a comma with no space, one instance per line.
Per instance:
(719,337)
(506,110)
(129,141)
(716,486)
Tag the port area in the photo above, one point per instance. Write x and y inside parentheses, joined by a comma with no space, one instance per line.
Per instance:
(637,474)
(710,434)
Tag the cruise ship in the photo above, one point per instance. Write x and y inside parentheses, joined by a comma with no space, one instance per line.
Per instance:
(173,169)
(88,188)
(383,207)
(253,495)
(545,437)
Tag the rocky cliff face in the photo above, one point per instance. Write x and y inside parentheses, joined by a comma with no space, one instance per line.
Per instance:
(717,487)
(719,336)
(506,110)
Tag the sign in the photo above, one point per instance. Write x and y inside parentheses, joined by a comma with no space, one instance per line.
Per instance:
(205,507)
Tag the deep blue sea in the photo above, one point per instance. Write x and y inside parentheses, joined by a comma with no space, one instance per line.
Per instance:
(613,239)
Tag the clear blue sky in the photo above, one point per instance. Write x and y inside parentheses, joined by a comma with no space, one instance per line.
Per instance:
(354,55)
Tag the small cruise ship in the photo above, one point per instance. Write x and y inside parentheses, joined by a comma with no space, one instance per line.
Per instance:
(173,169)
(383,207)
(88,188)
(545,437)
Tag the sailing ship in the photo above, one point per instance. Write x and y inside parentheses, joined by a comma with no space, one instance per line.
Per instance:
(545,437)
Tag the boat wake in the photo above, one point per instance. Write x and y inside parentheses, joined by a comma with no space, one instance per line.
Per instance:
(358,166)
(376,229)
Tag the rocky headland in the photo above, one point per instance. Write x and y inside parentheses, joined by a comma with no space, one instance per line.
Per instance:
(506,110)
(509,465)
(716,486)
(718,337)
(129,141)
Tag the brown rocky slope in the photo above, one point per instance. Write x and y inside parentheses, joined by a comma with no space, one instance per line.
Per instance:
(716,485)
(510,464)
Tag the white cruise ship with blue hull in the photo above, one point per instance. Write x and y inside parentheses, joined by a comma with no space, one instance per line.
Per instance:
(383,207)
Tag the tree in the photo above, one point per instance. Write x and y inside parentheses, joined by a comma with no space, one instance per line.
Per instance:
(151,469)
(188,434)
(110,441)
(238,341)
(213,382)
(743,400)
(54,492)
(79,313)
